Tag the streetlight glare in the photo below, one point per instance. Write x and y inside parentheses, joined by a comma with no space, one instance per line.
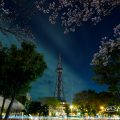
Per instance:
(102,107)
(71,106)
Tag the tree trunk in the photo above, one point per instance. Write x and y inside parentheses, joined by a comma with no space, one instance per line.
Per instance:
(9,108)
(39,116)
(2,108)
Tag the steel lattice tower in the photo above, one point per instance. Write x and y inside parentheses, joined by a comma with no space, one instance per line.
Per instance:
(59,92)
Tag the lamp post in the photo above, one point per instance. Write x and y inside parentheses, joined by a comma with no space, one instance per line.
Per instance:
(102,109)
(71,108)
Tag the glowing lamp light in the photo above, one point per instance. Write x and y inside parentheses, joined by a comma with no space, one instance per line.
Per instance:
(71,106)
(101,107)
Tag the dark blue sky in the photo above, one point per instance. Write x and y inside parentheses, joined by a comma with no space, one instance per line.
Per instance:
(76,49)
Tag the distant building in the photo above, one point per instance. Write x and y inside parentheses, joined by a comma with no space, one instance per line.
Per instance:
(56,107)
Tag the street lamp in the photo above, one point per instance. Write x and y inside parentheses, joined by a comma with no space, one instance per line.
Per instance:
(101,108)
(71,108)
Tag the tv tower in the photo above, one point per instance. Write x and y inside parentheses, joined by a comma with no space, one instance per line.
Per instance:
(59,92)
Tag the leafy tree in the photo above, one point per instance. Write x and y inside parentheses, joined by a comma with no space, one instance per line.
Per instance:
(90,101)
(25,100)
(34,107)
(45,110)
(4,89)
(107,99)
(86,100)
(22,66)
(37,107)
(51,101)
(53,104)
(106,65)
(67,109)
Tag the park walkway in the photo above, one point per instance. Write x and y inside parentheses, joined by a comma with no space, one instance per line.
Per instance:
(63,118)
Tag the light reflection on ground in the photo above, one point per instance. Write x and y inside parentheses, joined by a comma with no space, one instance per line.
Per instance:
(62,118)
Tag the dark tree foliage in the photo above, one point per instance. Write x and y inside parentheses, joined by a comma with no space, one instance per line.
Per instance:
(90,101)
(4,89)
(21,67)
(67,109)
(106,65)
(36,107)
(51,102)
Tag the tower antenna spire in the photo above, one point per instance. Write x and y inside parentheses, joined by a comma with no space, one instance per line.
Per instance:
(59,92)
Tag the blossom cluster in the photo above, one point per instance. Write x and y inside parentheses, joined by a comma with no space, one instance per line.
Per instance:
(8,24)
(117,31)
(73,13)
(107,46)
(103,55)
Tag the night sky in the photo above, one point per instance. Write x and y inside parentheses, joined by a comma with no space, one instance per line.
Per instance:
(76,50)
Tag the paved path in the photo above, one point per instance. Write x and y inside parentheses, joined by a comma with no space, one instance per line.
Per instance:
(61,118)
